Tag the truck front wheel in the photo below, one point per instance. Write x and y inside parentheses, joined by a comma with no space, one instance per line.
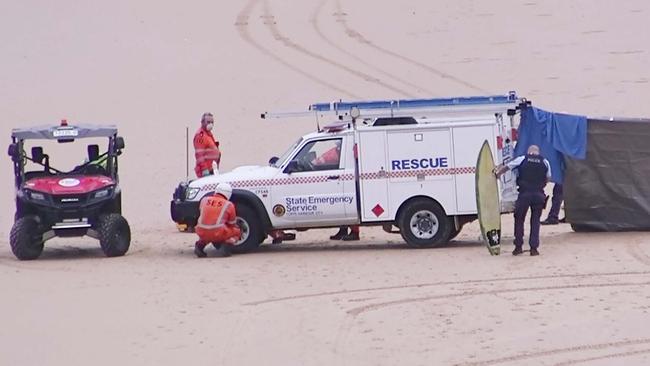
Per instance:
(252,233)
(25,238)
(424,224)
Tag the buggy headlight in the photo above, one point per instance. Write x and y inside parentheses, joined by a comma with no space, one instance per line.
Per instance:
(101,194)
(192,192)
(37,196)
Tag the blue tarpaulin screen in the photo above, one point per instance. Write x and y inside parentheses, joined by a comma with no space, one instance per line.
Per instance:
(556,134)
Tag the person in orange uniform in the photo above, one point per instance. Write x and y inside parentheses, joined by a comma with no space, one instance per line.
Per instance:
(331,156)
(217,223)
(206,147)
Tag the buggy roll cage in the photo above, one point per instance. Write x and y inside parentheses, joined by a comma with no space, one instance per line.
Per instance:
(64,133)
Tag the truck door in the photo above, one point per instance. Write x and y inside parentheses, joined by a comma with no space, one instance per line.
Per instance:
(309,191)
(373,172)
(349,182)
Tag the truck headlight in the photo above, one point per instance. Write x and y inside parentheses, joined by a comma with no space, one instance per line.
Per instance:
(192,192)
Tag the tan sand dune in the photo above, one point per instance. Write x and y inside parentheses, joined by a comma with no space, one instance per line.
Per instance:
(153,68)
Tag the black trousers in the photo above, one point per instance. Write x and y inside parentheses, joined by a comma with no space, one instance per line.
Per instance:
(533,200)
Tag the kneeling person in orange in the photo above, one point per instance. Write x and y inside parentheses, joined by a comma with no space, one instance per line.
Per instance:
(217,223)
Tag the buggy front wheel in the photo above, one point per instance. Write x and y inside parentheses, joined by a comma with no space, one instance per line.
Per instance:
(114,234)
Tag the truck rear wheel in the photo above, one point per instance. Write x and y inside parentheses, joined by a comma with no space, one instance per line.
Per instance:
(424,224)
(25,238)
(454,232)
(114,234)
(252,233)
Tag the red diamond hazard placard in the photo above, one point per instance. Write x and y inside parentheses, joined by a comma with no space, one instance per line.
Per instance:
(377,210)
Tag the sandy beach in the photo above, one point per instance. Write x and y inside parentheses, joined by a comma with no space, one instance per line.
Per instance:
(153,68)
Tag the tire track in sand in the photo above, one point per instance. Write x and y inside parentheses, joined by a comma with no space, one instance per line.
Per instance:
(241,24)
(288,42)
(315,21)
(557,351)
(343,333)
(442,283)
(340,16)
(634,249)
(604,357)
(380,305)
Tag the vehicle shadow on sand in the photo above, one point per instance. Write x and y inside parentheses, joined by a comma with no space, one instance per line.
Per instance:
(61,253)
(71,253)
(366,245)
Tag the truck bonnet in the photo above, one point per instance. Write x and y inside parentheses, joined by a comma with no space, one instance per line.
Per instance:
(239,174)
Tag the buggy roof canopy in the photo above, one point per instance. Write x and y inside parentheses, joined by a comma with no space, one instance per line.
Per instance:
(63,132)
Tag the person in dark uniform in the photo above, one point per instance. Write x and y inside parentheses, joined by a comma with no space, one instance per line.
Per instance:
(553,217)
(533,172)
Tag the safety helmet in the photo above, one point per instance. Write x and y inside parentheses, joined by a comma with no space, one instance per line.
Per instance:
(224,189)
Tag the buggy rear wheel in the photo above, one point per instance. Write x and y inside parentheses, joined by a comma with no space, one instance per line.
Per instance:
(26,238)
(114,234)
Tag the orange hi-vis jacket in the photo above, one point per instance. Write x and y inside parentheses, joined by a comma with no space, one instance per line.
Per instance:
(329,157)
(217,220)
(206,150)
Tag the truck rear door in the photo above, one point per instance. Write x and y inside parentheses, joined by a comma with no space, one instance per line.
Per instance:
(505,149)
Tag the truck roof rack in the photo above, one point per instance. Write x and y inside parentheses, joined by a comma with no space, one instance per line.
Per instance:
(416,108)
(394,121)
(510,98)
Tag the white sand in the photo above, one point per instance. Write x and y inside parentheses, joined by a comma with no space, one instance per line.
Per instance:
(154,68)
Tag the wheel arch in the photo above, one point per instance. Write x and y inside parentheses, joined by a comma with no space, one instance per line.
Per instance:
(405,203)
(242,196)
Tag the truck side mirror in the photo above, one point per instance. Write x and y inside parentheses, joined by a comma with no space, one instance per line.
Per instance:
(37,154)
(119,143)
(291,167)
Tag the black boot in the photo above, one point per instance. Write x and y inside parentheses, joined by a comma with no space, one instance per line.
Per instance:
(343,231)
(550,221)
(198,249)
(352,236)
(534,252)
(224,251)
(517,251)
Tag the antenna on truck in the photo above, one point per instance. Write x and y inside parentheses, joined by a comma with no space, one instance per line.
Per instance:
(310,112)
(187,154)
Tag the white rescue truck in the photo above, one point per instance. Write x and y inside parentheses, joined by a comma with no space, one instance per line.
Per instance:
(397,163)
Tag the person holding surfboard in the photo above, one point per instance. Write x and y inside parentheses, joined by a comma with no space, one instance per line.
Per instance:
(533,172)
